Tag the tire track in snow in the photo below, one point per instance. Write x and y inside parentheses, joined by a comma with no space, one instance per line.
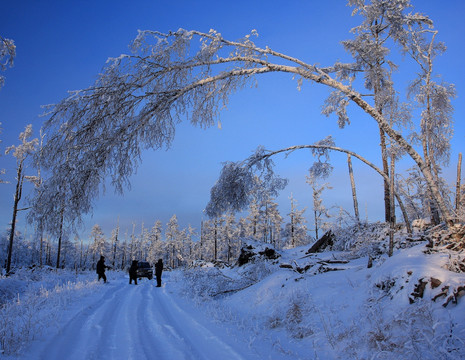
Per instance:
(78,335)
(117,328)
(168,342)
(198,342)
(143,336)
(135,322)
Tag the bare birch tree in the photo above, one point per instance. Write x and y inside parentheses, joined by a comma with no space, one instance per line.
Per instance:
(434,98)
(21,152)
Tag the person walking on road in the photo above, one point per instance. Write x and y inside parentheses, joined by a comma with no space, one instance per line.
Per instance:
(158,271)
(101,269)
(133,272)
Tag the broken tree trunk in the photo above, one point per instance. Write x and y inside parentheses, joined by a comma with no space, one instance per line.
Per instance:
(325,240)
(354,191)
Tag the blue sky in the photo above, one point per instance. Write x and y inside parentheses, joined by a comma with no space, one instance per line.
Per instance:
(63,45)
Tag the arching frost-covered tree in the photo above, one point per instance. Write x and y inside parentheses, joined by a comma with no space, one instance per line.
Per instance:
(100,132)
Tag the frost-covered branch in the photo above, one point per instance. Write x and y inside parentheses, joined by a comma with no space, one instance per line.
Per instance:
(137,101)
(239,182)
(7,55)
(235,186)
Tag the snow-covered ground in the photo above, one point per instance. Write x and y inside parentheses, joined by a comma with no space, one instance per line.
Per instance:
(319,306)
(121,321)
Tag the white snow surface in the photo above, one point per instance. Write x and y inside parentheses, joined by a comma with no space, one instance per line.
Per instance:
(256,311)
(122,321)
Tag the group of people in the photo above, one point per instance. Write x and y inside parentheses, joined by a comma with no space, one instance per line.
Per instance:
(132,271)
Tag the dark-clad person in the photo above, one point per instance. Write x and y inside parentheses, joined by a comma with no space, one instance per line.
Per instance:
(133,272)
(101,269)
(158,271)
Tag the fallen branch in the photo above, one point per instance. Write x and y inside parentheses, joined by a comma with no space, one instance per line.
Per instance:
(232,290)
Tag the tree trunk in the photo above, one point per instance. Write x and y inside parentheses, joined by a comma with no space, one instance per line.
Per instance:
(392,219)
(404,214)
(123,255)
(18,192)
(457,187)
(216,239)
(115,244)
(201,240)
(41,254)
(48,260)
(354,192)
(316,224)
(292,231)
(60,236)
(387,196)
(326,240)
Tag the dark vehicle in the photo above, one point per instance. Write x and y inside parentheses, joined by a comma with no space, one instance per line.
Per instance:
(144,270)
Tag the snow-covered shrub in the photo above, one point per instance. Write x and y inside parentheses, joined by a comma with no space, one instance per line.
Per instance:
(421,224)
(362,239)
(456,262)
(38,294)
(292,312)
(296,316)
(9,289)
(257,271)
(206,282)
(413,331)
(372,239)
(20,320)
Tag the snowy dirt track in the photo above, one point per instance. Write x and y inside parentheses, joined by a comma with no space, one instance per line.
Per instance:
(137,322)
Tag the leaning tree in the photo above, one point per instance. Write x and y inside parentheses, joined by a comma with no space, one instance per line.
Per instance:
(237,182)
(137,101)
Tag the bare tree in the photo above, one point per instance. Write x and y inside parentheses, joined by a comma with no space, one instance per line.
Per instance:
(114,243)
(296,230)
(99,245)
(139,98)
(434,99)
(319,210)
(21,153)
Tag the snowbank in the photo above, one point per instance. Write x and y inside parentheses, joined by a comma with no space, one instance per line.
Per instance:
(329,305)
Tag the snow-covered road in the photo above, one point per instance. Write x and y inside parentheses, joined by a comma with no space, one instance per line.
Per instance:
(138,322)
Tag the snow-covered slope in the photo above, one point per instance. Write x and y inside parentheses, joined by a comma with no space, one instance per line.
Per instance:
(340,309)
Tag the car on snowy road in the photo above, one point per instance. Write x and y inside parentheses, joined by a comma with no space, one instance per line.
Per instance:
(144,270)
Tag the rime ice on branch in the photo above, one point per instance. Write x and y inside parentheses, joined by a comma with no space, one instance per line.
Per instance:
(139,98)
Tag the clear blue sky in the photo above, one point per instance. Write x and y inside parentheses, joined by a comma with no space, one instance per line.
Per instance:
(63,45)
